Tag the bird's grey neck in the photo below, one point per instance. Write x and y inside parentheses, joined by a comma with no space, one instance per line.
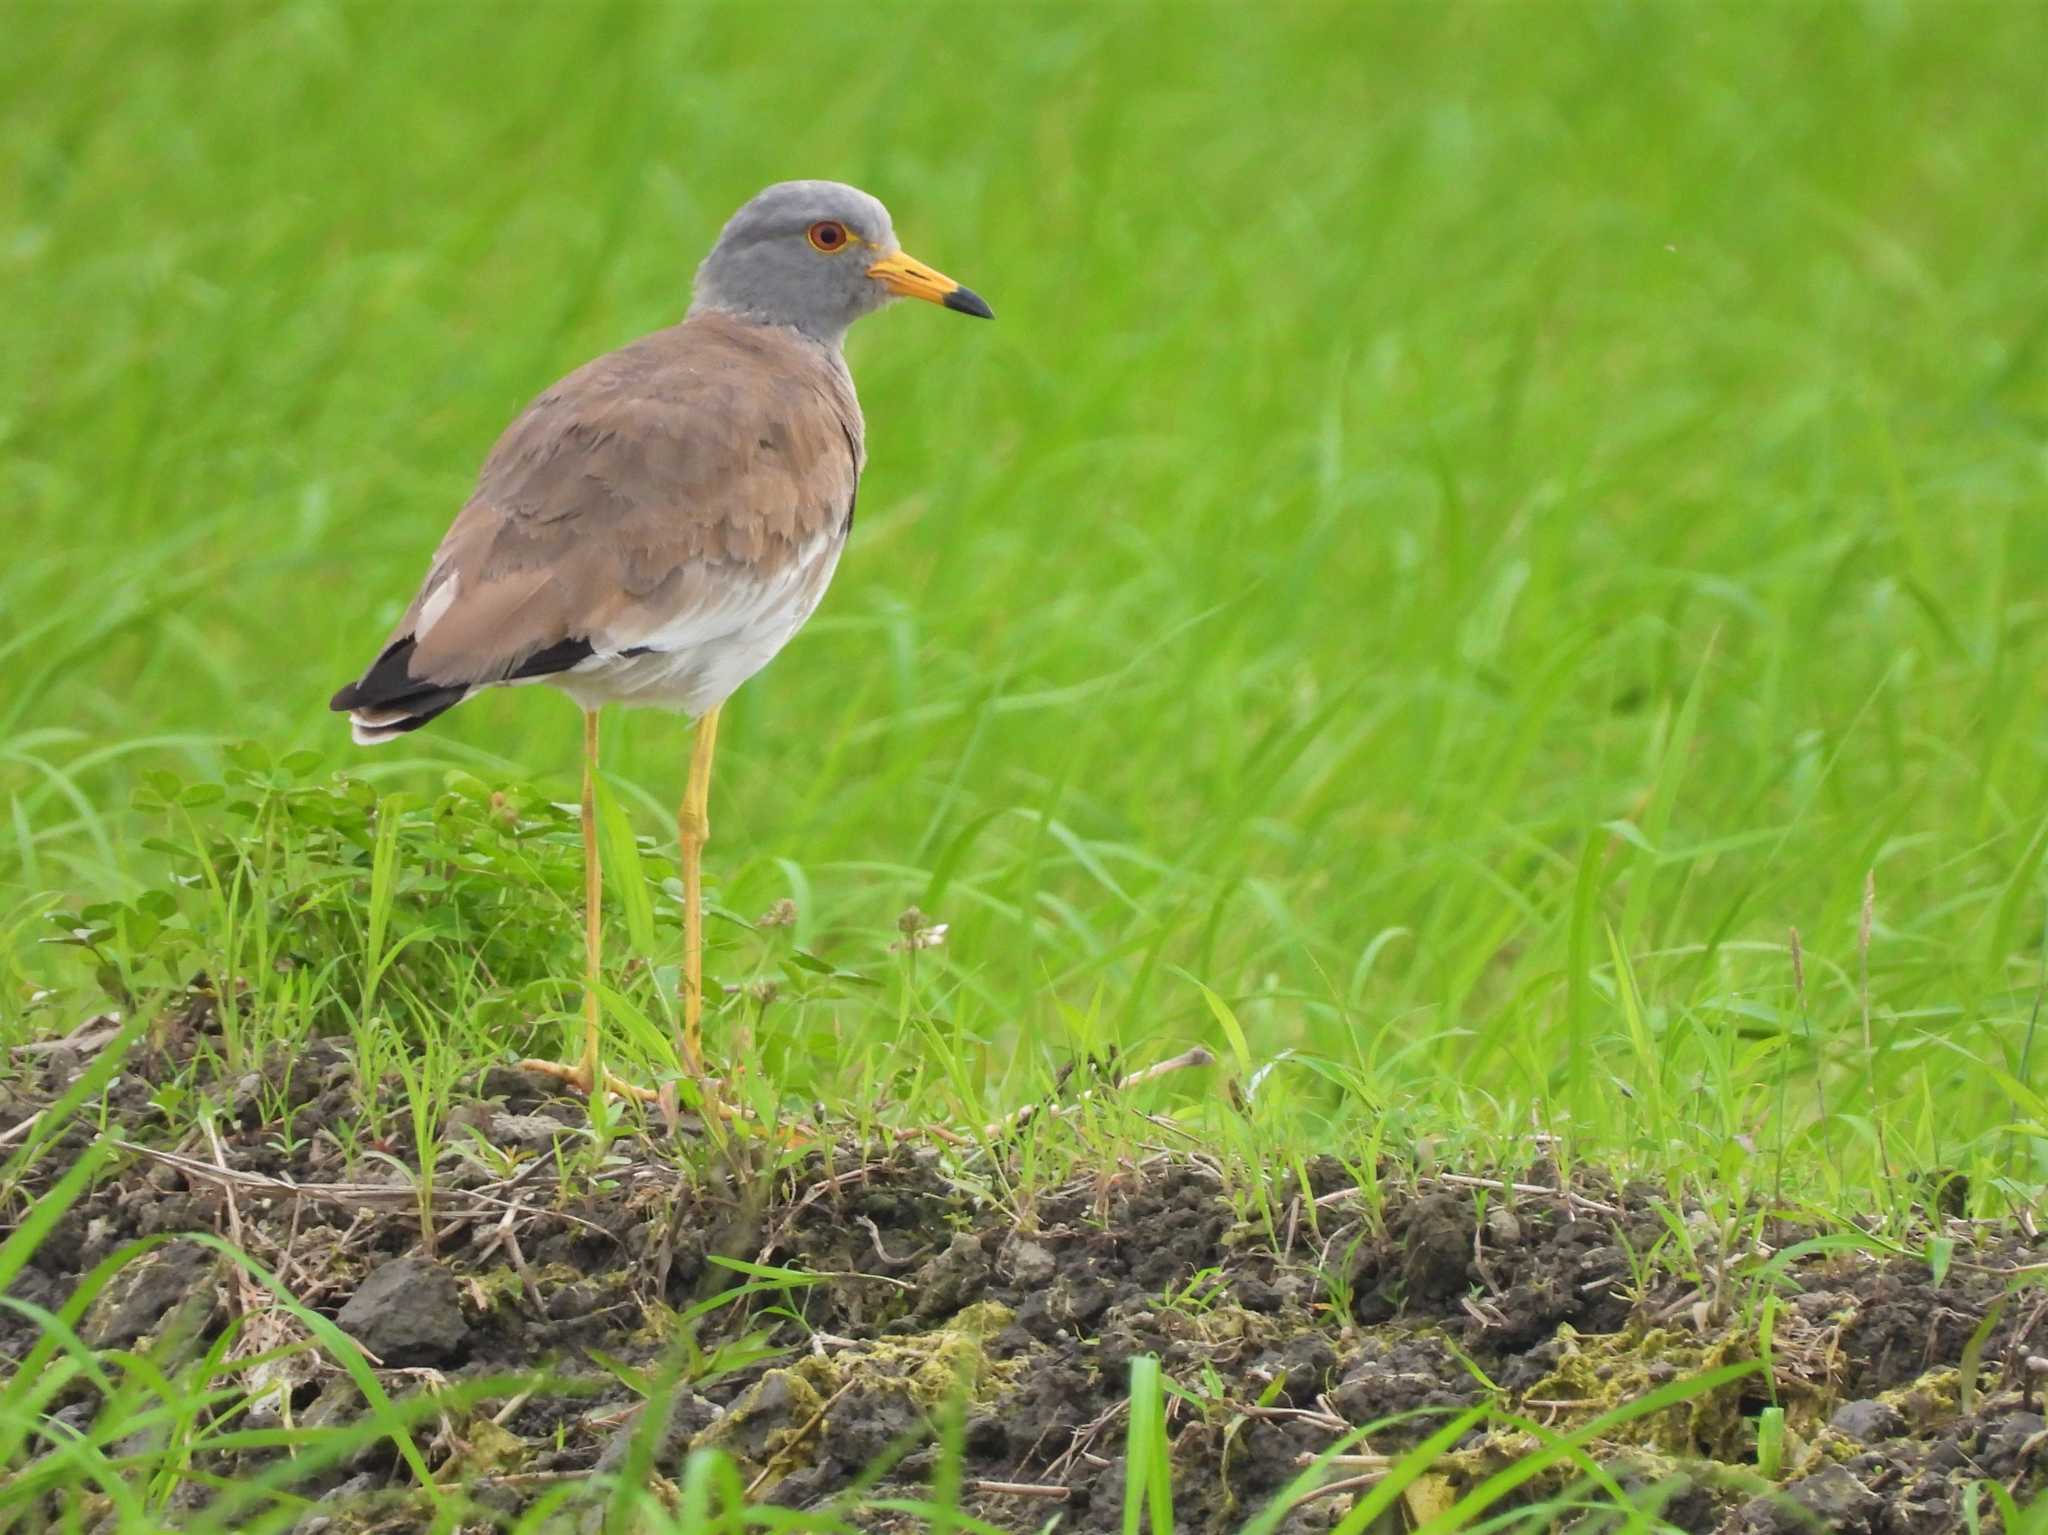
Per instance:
(829,335)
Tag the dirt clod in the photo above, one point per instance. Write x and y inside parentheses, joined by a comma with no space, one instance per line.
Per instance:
(527,1132)
(1831,1499)
(407,1313)
(1867,1420)
(173,1288)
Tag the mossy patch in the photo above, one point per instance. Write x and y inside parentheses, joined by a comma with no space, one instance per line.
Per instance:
(770,1428)
(1597,1373)
(487,1450)
(1934,1398)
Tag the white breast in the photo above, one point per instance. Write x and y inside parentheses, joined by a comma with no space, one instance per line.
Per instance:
(694,661)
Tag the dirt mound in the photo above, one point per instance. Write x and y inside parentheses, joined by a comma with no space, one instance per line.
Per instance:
(823,1322)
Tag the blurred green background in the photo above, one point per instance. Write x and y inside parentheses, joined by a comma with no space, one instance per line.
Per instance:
(1472,520)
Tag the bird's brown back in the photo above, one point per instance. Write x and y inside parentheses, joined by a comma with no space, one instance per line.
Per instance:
(638,489)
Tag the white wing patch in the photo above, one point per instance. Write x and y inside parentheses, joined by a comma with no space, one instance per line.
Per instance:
(438,602)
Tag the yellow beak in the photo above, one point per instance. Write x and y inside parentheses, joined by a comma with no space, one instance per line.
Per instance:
(906,275)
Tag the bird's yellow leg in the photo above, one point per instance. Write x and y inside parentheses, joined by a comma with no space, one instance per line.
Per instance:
(584,1075)
(593,904)
(693,830)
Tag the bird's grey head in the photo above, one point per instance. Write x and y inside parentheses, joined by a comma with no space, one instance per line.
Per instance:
(817,255)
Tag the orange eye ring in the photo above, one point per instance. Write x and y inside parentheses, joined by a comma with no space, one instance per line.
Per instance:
(829,236)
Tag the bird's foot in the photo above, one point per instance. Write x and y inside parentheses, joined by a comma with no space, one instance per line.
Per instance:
(584,1078)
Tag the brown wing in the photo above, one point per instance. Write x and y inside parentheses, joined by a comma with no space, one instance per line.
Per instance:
(631,494)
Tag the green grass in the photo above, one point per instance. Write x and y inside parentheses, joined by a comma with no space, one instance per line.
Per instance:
(1472,525)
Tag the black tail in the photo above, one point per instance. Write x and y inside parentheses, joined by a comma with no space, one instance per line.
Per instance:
(387,700)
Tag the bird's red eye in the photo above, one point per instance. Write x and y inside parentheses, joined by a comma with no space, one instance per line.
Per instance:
(828,235)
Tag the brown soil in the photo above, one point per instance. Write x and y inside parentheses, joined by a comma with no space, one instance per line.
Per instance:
(1288,1326)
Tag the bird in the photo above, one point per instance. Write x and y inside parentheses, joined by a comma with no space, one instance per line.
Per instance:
(653,529)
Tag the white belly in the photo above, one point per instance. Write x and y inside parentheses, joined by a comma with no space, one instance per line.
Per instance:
(697,660)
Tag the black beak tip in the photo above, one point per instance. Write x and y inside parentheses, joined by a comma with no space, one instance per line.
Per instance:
(967,301)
